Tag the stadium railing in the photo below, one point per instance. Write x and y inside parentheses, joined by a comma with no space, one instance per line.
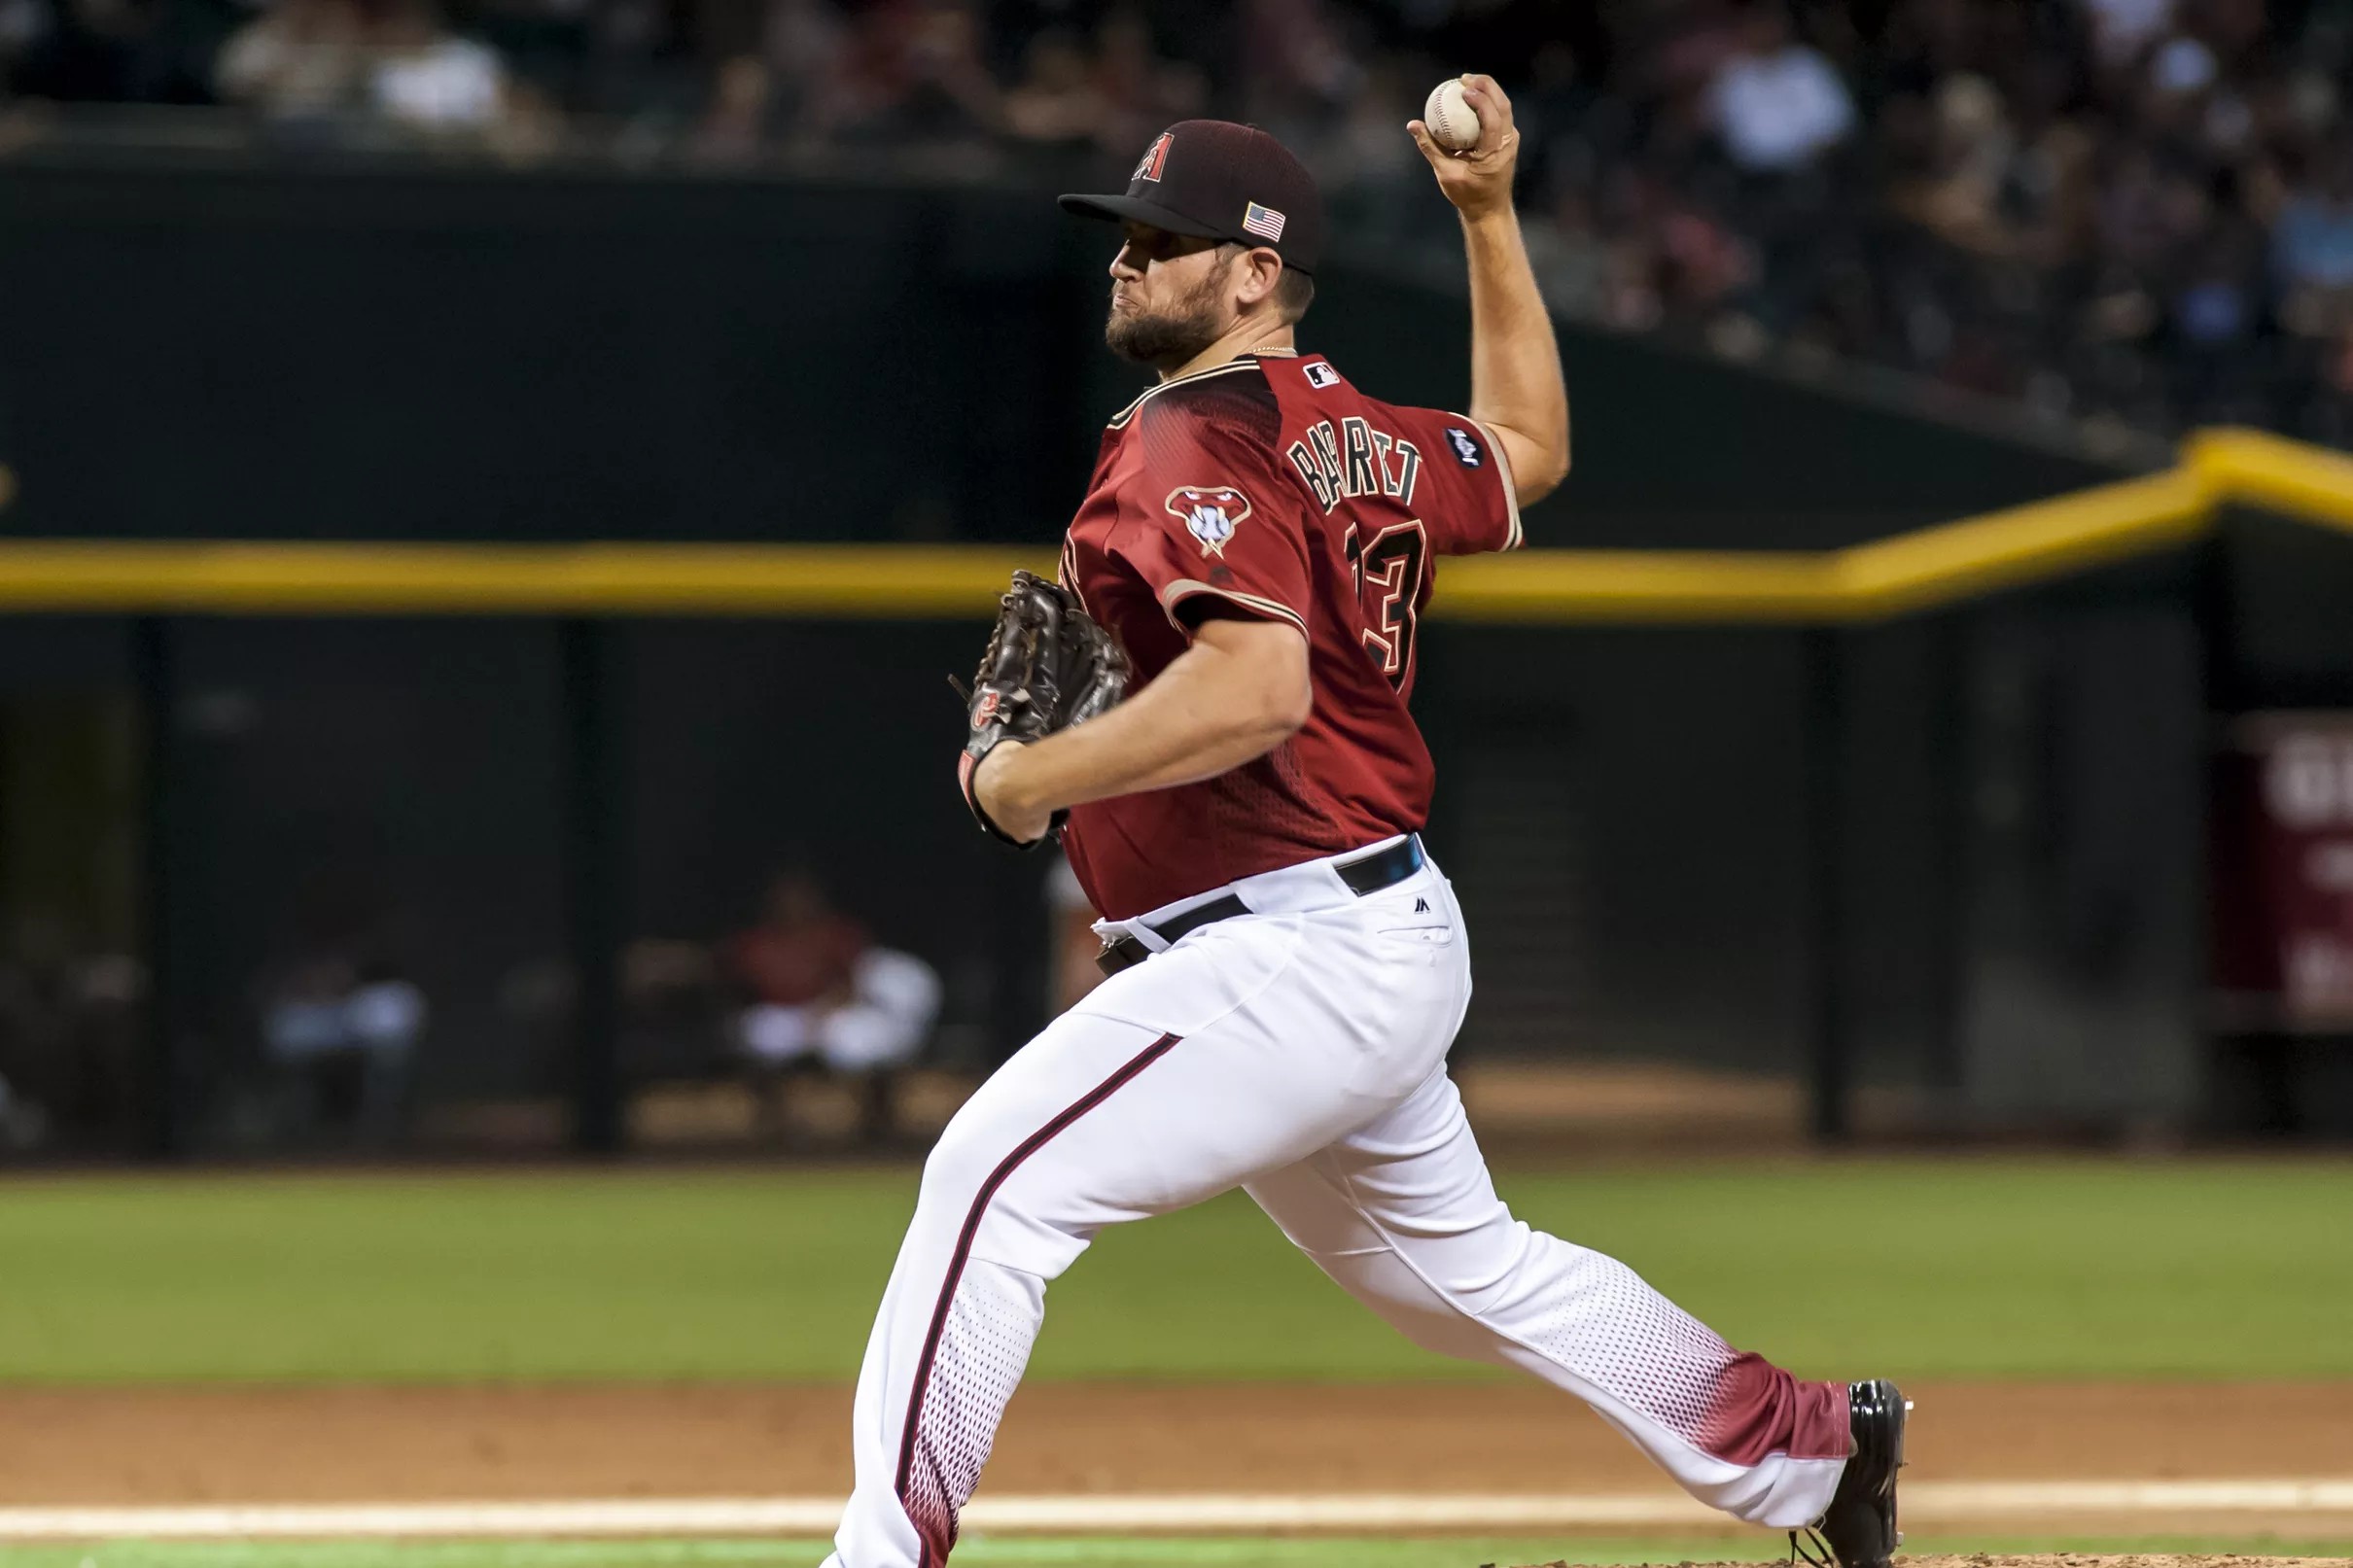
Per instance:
(1877,580)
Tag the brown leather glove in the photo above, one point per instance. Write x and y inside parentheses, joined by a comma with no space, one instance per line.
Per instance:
(1047,667)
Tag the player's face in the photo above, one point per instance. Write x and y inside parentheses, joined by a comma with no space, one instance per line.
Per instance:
(1168,296)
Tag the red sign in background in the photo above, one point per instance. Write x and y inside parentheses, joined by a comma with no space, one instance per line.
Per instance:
(2283,873)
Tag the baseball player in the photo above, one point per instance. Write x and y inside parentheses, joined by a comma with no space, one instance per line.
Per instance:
(1249,566)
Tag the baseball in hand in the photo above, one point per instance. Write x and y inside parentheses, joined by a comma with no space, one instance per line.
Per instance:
(1453,122)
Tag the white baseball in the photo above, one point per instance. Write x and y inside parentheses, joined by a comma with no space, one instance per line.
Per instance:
(1453,122)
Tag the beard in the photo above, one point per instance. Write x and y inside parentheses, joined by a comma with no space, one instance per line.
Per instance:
(1172,335)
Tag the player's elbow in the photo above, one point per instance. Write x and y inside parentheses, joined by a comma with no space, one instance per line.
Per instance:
(1288,702)
(1537,463)
(1550,468)
(1280,696)
(1265,672)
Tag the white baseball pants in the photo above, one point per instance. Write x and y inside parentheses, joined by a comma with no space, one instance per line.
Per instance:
(1297,1052)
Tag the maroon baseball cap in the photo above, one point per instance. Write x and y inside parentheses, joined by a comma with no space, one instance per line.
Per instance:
(1217,180)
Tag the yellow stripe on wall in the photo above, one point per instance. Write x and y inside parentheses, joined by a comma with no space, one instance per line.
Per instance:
(872,581)
(1887,577)
(2307,482)
(2022,545)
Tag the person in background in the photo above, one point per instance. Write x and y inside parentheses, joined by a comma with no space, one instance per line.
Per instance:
(913,71)
(68,1035)
(1140,90)
(2123,30)
(821,994)
(739,120)
(23,1123)
(422,77)
(1300,70)
(1054,103)
(2312,248)
(805,44)
(23,25)
(1777,103)
(345,1032)
(1362,160)
(300,59)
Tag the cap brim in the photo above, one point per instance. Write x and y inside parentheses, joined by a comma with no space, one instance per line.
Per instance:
(1137,210)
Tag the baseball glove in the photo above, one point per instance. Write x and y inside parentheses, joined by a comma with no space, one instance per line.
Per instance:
(1048,666)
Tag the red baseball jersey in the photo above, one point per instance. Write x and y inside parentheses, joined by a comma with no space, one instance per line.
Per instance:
(1270,488)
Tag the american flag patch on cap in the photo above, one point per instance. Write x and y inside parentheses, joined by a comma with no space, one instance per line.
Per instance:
(1264,222)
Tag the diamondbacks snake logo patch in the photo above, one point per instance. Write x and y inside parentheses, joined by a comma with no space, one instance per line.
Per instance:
(1209,512)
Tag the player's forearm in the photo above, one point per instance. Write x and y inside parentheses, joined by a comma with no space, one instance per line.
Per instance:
(1517,386)
(1209,713)
(1143,751)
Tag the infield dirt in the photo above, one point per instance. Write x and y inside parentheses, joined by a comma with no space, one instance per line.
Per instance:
(185,1445)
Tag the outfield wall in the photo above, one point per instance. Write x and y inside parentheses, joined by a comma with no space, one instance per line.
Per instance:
(1925,812)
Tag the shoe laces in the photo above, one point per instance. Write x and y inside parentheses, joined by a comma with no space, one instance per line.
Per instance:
(1807,1546)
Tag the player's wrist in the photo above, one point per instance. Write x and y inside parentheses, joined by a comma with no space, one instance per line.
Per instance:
(1496,219)
(1006,785)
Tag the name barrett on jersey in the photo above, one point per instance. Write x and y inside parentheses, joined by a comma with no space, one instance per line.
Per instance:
(1269,488)
(1359,461)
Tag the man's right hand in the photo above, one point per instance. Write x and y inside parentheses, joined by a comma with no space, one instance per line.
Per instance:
(1478,180)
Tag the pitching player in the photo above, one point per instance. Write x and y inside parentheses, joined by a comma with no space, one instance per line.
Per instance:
(1260,537)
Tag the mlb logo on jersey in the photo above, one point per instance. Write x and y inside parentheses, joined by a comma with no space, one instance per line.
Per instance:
(1320,375)
(1209,512)
(1155,158)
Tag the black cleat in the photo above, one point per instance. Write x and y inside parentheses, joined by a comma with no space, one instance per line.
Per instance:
(1858,1528)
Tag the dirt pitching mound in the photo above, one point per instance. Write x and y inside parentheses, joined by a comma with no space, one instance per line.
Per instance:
(109,1447)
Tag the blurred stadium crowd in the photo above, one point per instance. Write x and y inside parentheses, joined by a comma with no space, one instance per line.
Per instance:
(2132,211)
(321,1047)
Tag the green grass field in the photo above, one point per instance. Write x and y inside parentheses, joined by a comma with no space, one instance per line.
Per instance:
(2041,1267)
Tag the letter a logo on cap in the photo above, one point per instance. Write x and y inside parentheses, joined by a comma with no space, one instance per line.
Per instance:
(1155,158)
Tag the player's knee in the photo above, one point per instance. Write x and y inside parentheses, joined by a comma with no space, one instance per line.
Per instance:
(1428,1325)
(960,1163)
(949,1177)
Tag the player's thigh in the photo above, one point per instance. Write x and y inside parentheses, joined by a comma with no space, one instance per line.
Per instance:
(1409,1186)
(1101,1120)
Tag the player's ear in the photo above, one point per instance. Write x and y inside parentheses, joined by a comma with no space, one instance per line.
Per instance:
(1261,273)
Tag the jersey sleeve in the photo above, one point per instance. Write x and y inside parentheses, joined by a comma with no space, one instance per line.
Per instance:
(1466,497)
(1214,528)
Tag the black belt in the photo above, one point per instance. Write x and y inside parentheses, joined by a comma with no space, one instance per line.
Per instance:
(1365,875)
